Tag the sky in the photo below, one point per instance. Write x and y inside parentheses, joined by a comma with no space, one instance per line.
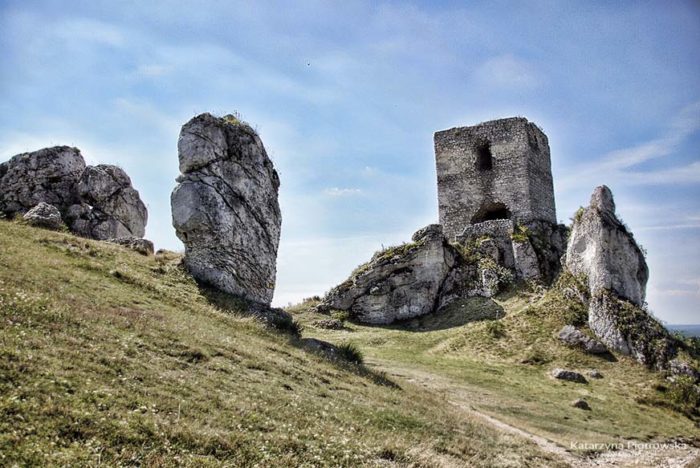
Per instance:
(346,97)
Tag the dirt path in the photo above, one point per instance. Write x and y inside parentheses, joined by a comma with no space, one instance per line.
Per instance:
(663,456)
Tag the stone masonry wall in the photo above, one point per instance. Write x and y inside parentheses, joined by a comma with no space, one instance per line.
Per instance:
(519,181)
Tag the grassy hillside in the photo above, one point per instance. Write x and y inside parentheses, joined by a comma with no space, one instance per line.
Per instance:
(495,356)
(110,357)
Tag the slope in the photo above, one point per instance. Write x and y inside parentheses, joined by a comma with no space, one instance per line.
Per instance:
(110,357)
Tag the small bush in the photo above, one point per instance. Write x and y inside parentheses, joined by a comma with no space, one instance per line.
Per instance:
(495,329)
(520,234)
(341,315)
(351,353)
(578,215)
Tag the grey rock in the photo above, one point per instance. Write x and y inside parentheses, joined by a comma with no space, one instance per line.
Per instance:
(575,337)
(142,246)
(678,367)
(320,347)
(49,175)
(110,207)
(568,375)
(601,248)
(627,329)
(329,324)
(273,317)
(398,283)
(225,208)
(581,404)
(97,202)
(595,374)
(45,216)
(526,263)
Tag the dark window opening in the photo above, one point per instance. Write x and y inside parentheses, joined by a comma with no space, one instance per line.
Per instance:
(491,211)
(484,158)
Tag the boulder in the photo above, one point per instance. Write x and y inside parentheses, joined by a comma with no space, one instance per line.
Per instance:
(45,216)
(142,246)
(397,283)
(581,404)
(98,202)
(329,324)
(49,175)
(572,336)
(110,207)
(601,248)
(595,374)
(225,208)
(568,375)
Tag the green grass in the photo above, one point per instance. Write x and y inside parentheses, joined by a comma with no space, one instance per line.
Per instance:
(109,357)
(495,356)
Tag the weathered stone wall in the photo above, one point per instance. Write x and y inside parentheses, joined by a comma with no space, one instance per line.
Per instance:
(519,180)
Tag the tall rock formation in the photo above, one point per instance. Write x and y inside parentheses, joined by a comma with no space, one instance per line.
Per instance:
(225,208)
(94,201)
(604,252)
(602,248)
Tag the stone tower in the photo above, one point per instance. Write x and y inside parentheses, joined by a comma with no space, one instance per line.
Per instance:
(495,170)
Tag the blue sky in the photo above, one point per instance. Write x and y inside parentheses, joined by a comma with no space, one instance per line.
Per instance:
(346,97)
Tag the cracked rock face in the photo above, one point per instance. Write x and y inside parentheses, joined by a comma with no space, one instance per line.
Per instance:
(225,208)
(110,207)
(601,248)
(398,283)
(49,175)
(94,201)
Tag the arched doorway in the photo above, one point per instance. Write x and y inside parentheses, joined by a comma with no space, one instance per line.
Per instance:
(490,211)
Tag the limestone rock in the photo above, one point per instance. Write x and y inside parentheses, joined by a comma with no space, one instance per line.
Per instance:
(49,175)
(110,207)
(398,283)
(574,337)
(225,208)
(625,328)
(678,367)
(595,374)
(329,324)
(94,201)
(601,248)
(142,246)
(569,375)
(581,404)
(45,216)
(526,263)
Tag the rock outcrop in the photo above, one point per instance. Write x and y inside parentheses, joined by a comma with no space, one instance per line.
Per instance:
(137,244)
(49,175)
(604,253)
(225,208)
(109,207)
(398,283)
(45,216)
(601,248)
(94,201)
(571,336)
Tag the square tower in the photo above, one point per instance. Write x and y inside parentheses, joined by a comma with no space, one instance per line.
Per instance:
(495,170)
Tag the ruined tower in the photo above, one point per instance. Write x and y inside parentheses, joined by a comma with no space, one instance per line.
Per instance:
(495,170)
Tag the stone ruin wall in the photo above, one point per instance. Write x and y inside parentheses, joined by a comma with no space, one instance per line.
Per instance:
(520,177)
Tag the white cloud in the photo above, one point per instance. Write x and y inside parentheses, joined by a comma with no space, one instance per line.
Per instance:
(507,71)
(617,167)
(342,192)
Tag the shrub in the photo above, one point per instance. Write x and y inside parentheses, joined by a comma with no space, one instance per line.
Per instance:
(520,234)
(495,329)
(351,353)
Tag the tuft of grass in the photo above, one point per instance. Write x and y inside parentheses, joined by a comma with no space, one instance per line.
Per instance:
(520,234)
(351,353)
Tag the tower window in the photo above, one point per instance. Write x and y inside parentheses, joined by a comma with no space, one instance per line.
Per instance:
(484,158)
